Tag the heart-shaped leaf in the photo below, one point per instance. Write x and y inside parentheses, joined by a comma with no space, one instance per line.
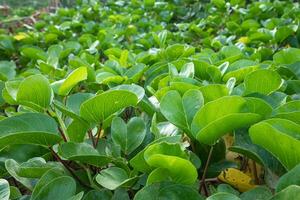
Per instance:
(129,136)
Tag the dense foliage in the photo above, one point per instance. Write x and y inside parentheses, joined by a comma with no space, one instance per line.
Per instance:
(148,100)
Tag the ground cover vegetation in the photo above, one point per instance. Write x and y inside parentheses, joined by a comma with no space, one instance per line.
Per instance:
(150,100)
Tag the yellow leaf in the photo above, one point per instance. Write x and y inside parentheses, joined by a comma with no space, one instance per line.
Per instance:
(237,179)
(20,36)
(244,40)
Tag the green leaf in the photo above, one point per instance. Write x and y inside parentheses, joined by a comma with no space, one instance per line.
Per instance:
(129,136)
(167,190)
(72,79)
(84,153)
(233,112)
(100,107)
(136,89)
(281,138)
(290,178)
(138,161)
(35,91)
(223,196)
(7,70)
(60,188)
(114,177)
(35,167)
(213,91)
(244,146)
(257,193)
(262,81)
(289,110)
(102,194)
(77,130)
(291,192)
(12,167)
(14,193)
(172,158)
(33,53)
(181,110)
(287,56)
(32,128)
(45,179)
(4,189)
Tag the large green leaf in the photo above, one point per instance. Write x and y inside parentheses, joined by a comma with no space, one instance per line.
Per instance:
(100,107)
(129,136)
(233,112)
(35,91)
(262,81)
(50,175)
(29,128)
(60,188)
(281,138)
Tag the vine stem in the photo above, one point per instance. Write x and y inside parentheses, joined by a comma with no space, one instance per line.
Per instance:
(90,133)
(61,128)
(202,182)
(98,134)
(255,172)
(67,167)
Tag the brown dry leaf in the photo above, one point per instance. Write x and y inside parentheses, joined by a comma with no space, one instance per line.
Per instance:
(237,179)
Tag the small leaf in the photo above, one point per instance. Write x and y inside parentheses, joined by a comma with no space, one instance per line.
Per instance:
(129,136)
(181,110)
(72,79)
(35,91)
(113,177)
